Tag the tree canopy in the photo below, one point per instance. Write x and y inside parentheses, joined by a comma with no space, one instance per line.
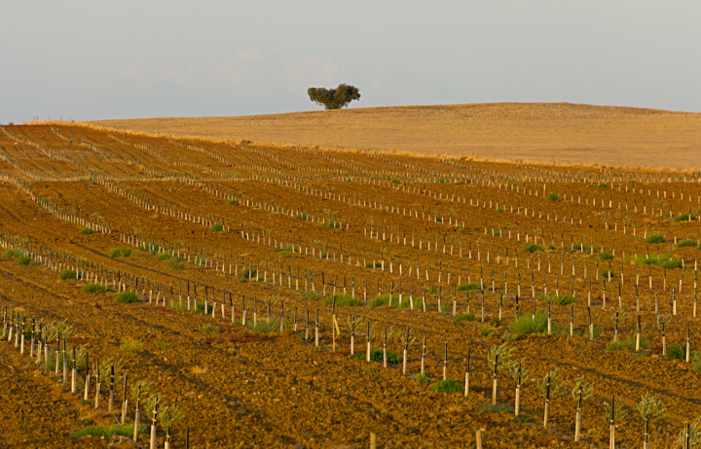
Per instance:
(334,98)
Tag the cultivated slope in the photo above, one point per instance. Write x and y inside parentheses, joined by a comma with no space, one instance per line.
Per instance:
(544,132)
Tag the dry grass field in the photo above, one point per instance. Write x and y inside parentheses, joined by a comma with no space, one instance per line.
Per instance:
(539,132)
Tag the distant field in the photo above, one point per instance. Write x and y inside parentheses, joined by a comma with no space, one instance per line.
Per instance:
(539,132)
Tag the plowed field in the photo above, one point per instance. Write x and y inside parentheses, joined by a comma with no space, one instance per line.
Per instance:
(259,277)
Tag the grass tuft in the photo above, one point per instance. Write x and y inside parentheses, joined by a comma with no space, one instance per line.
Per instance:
(686,242)
(343,300)
(125,430)
(12,253)
(130,344)
(210,328)
(96,288)
(217,227)
(558,300)
(447,386)
(86,231)
(118,252)
(663,260)
(127,297)
(469,286)
(655,238)
(552,196)
(67,274)
(264,326)
(532,248)
(527,325)
(464,317)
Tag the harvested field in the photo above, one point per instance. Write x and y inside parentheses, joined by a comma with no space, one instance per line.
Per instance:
(292,297)
(539,132)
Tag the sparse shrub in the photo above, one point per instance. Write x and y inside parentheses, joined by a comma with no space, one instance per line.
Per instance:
(67,274)
(96,288)
(127,297)
(117,252)
(130,344)
(211,328)
(488,331)
(86,231)
(552,196)
(24,260)
(558,300)
(605,255)
(464,317)
(447,386)
(532,248)
(233,201)
(165,256)
(271,326)
(421,378)
(655,238)
(249,274)
(217,227)
(177,264)
(343,300)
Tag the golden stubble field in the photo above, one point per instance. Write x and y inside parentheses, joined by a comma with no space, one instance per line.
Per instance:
(539,132)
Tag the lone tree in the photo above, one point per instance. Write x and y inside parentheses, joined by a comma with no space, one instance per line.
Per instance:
(334,98)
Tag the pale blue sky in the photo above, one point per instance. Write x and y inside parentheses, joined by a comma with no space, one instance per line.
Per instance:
(94,59)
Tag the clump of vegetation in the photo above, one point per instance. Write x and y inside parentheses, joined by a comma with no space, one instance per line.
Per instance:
(552,196)
(373,265)
(421,378)
(119,252)
(526,324)
(211,328)
(532,248)
(86,231)
(464,317)
(343,300)
(233,201)
(264,326)
(469,286)
(25,260)
(686,242)
(661,260)
(177,263)
(125,430)
(127,297)
(331,224)
(376,355)
(685,217)
(67,274)
(676,351)
(165,256)
(249,274)
(96,288)
(12,253)
(627,342)
(605,255)
(488,331)
(602,185)
(130,344)
(558,300)
(447,386)
(217,227)
(383,300)
(655,238)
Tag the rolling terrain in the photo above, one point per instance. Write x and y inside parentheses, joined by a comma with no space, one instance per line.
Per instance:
(538,132)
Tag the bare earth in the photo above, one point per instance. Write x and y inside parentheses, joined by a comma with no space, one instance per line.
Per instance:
(538,132)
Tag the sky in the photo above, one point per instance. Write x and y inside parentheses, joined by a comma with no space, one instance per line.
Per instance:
(90,60)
